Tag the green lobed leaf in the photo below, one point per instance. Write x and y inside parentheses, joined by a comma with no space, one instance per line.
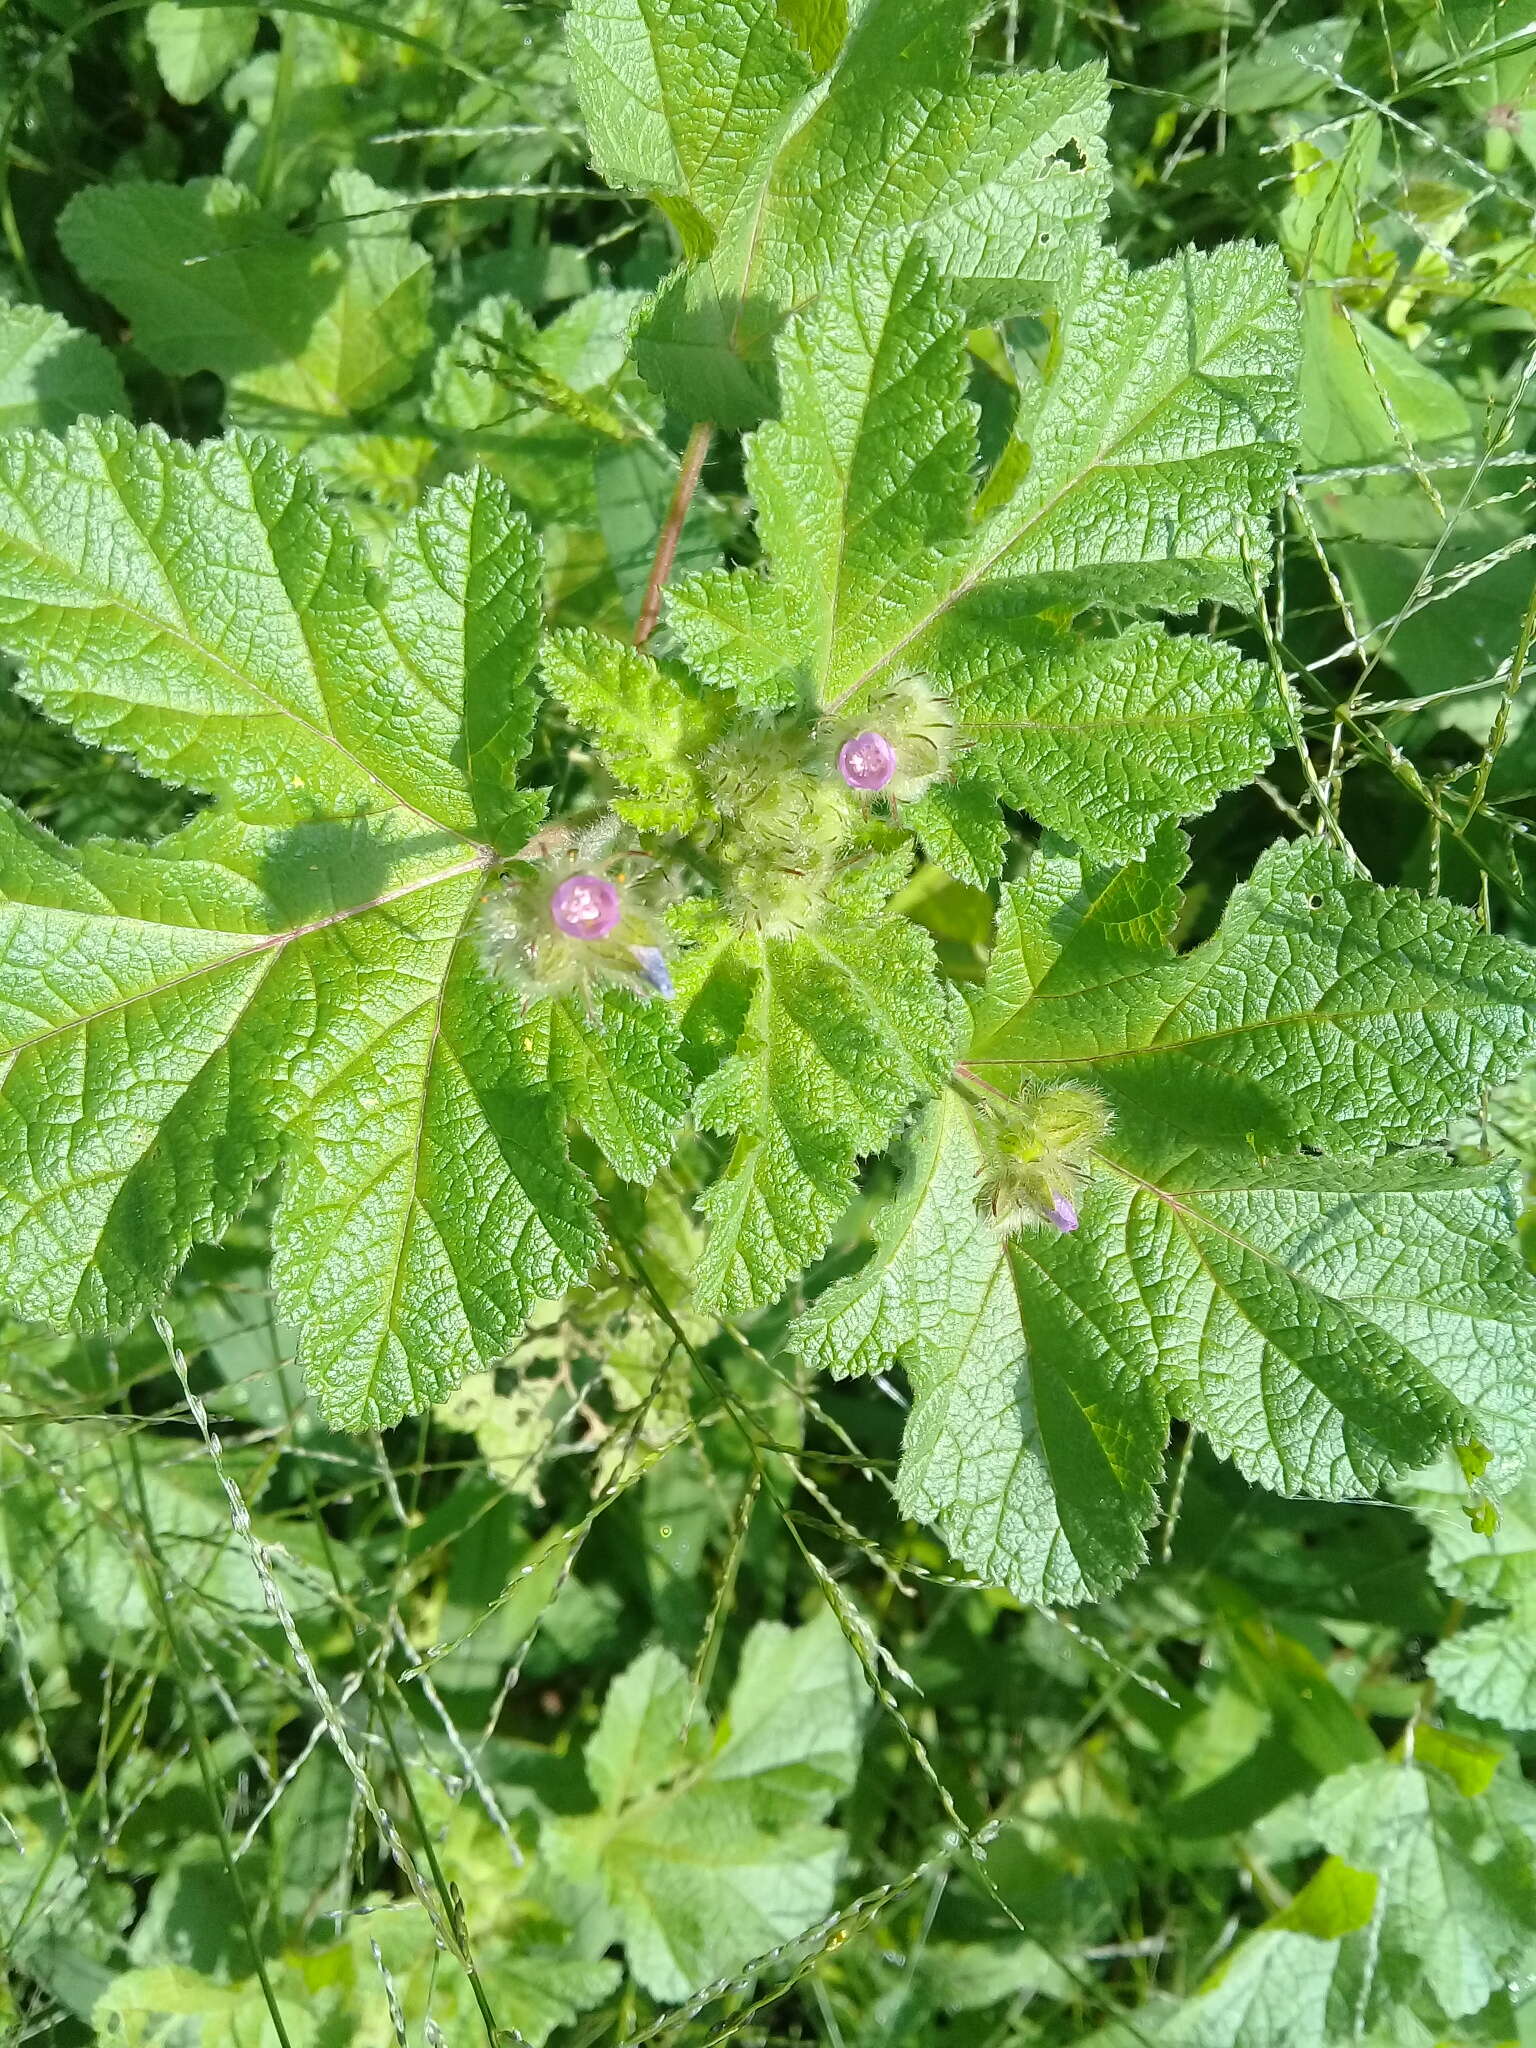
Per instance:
(207,279)
(207,611)
(815,1047)
(1324,1010)
(651,722)
(863,483)
(1273,1993)
(618,1073)
(1036,1457)
(1295,1982)
(961,829)
(1158,440)
(196,48)
(1328,1322)
(344,1991)
(1488,1667)
(1103,738)
(1138,480)
(301,327)
(649,1731)
(1452,1840)
(736,632)
(716,108)
(1328,1325)
(464,603)
(711,1853)
(289,979)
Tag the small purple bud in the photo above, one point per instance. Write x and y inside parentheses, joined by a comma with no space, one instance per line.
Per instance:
(652,963)
(1063,1215)
(867,761)
(585,907)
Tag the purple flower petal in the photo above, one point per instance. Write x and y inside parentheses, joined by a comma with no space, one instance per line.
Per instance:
(867,761)
(652,963)
(585,907)
(1063,1214)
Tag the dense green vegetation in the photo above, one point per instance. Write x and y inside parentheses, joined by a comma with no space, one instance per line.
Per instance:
(925,1439)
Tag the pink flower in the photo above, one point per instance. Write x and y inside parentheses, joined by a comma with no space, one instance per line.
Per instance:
(867,761)
(585,907)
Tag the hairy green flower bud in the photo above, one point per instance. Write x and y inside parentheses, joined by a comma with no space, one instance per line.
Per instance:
(778,900)
(1038,1157)
(777,804)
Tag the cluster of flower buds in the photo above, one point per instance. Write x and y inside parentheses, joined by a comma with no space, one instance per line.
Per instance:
(784,821)
(777,804)
(574,925)
(792,794)
(1038,1152)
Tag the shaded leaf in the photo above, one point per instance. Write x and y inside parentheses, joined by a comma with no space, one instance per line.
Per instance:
(715,108)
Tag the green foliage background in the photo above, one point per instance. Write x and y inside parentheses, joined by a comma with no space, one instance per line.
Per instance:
(615,1699)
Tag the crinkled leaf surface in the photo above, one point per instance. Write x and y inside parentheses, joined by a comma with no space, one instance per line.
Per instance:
(616,1069)
(289,978)
(1327,1322)
(812,1048)
(1274,1993)
(1147,452)
(651,723)
(741,128)
(961,829)
(712,1852)
(1295,1982)
(1451,1837)
(1037,1459)
(1323,1010)
(1487,1667)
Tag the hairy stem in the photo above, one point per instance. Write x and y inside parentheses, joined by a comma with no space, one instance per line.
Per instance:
(672,529)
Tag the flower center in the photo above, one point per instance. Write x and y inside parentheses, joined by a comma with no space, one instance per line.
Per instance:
(585,907)
(867,761)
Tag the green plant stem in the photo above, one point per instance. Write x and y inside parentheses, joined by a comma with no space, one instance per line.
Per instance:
(266,173)
(457,1922)
(199,1741)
